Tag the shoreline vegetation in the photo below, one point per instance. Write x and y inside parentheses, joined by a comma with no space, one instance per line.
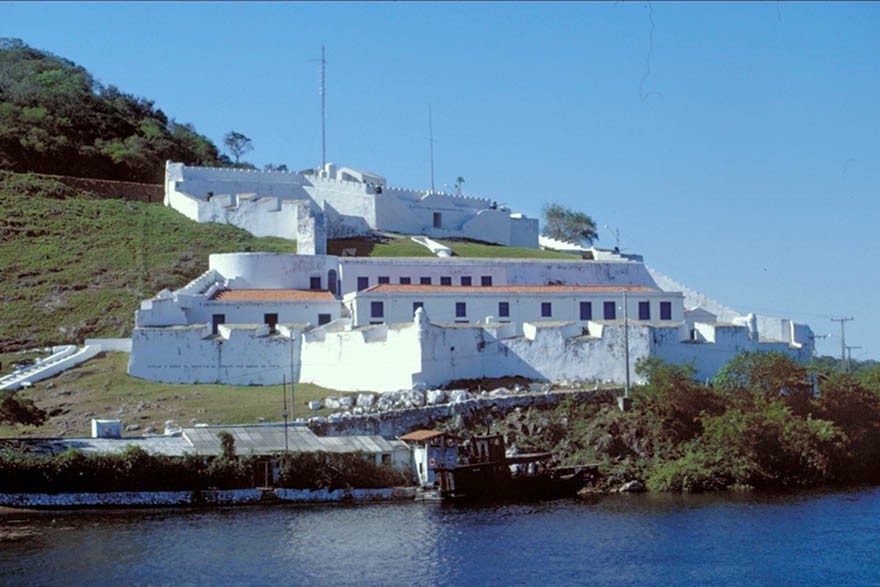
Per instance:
(759,425)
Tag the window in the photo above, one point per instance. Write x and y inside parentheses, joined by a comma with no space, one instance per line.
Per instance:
(644,310)
(486,280)
(384,279)
(425,280)
(405,281)
(546,310)
(460,310)
(363,283)
(271,320)
(315,282)
(217,320)
(666,310)
(377,309)
(323,319)
(610,310)
(503,309)
(445,281)
(466,280)
(417,305)
(438,220)
(586,310)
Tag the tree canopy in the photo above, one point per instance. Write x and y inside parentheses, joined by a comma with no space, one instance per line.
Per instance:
(567,225)
(238,144)
(56,118)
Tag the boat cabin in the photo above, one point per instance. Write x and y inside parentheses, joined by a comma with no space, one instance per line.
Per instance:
(432,449)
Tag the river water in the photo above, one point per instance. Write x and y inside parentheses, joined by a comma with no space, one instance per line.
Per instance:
(830,538)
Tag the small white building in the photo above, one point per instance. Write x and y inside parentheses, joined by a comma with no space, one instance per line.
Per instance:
(431,448)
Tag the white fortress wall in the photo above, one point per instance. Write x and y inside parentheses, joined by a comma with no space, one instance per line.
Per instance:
(498,226)
(773,328)
(522,307)
(239,355)
(693,298)
(374,358)
(272,270)
(349,207)
(577,272)
(719,344)
(200,182)
(417,268)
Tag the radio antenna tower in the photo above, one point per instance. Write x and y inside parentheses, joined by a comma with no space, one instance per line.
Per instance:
(323,110)
(431,143)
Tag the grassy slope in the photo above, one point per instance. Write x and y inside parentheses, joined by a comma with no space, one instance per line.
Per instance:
(73,267)
(101,388)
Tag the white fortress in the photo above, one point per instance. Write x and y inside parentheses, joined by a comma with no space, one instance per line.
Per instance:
(382,324)
(335,203)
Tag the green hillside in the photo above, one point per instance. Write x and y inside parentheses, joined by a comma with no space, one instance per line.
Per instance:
(73,266)
(56,118)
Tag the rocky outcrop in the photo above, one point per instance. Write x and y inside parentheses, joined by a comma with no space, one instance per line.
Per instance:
(399,412)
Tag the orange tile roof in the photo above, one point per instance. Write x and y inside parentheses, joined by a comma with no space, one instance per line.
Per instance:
(421,435)
(273,295)
(559,289)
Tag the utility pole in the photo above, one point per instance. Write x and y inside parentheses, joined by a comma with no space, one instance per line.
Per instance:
(624,403)
(849,350)
(284,411)
(813,378)
(431,143)
(843,322)
(292,378)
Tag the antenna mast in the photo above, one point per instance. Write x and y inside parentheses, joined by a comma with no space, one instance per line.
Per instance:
(431,143)
(323,110)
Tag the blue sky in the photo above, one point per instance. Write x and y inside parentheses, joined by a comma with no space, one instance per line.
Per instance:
(735,146)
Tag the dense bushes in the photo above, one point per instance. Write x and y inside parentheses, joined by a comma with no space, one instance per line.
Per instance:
(338,471)
(136,470)
(758,425)
(133,470)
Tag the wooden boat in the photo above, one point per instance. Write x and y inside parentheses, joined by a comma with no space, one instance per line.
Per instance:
(484,471)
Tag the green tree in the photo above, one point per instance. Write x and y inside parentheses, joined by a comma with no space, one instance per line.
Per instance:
(238,144)
(769,376)
(565,224)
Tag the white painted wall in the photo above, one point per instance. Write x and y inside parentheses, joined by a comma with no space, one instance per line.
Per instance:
(481,303)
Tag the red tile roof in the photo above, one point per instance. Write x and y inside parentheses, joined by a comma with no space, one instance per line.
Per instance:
(273,295)
(499,289)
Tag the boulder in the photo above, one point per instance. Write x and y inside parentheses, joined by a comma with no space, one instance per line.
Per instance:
(346,401)
(365,400)
(457,396)
(314,405)
(435,396)
(634,486)
(332,403)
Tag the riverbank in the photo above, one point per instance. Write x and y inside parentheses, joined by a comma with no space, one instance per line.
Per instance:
(11,502)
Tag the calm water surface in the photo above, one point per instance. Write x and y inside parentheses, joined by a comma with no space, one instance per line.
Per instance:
(796,539)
